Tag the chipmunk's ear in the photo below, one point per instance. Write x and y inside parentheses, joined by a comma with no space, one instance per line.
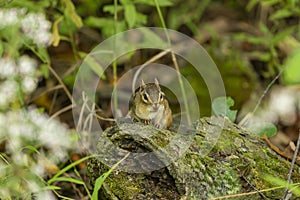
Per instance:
(156,82)
(143,85)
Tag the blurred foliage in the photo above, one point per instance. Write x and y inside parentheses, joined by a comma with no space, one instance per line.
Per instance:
(221,107)
(270,45)
(291,74)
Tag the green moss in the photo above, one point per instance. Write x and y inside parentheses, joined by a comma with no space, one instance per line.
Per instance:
(237,163)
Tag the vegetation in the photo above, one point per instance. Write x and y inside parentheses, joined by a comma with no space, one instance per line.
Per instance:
(43,155)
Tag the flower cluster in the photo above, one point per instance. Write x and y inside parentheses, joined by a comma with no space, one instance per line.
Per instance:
(33,25)
(13,75)
(34,142)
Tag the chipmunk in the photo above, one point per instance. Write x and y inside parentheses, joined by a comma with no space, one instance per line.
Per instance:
(151,106)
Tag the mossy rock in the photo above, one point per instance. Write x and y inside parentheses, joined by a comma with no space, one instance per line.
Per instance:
(238,162)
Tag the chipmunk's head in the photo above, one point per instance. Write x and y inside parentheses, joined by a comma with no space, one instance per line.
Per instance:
(152,95)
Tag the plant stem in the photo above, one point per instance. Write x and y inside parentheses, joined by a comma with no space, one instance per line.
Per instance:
(185,101)
(115,96)
(286,191)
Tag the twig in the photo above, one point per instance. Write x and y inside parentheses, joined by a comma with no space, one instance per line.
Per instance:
(244,120)
(151,60)
(291,169)
(69,107)
(259,192)
(46,91)
(249,193)
(61,83)
(186,104)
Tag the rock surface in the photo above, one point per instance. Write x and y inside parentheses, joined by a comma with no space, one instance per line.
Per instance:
(186,163)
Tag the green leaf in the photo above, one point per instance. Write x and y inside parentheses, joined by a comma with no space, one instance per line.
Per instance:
(264,128)
(291,75)
(71,180)
(293,187)
(270,2)
(141,18)
(156,39)
(281,35)
(60,172)
(251,4)
(130,15)
(31,148)
(264,28)
(250,38)
(111,8)
(45,70)
(106,25)
(94,65)
(262,56)
(43,54)
(99,22)
(71,12)
(221,106)
(279,14)
(100,180)
(30,5)
(161,3)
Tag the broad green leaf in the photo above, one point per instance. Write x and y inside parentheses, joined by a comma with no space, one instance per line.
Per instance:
(99,22)
(141,19)
(130,14)
(155,39)
(161,3)
(291,75)
(264,128)
(71,12)
(282,13)
(221,106)
(111,8)
(105,24)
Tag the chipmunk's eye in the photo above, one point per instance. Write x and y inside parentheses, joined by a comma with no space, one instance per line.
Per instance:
(145,97)
(161,97)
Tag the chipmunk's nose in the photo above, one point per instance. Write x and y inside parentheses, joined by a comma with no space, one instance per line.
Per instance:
(155,107)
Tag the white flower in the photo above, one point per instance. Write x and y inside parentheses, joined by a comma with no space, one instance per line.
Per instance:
(7,68)
(27,65)
(10,17)
(36,27)
(33,25)
(8,92)
(29,84)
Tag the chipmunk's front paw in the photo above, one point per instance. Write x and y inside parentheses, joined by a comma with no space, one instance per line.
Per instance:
(147,122)
(157,125)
